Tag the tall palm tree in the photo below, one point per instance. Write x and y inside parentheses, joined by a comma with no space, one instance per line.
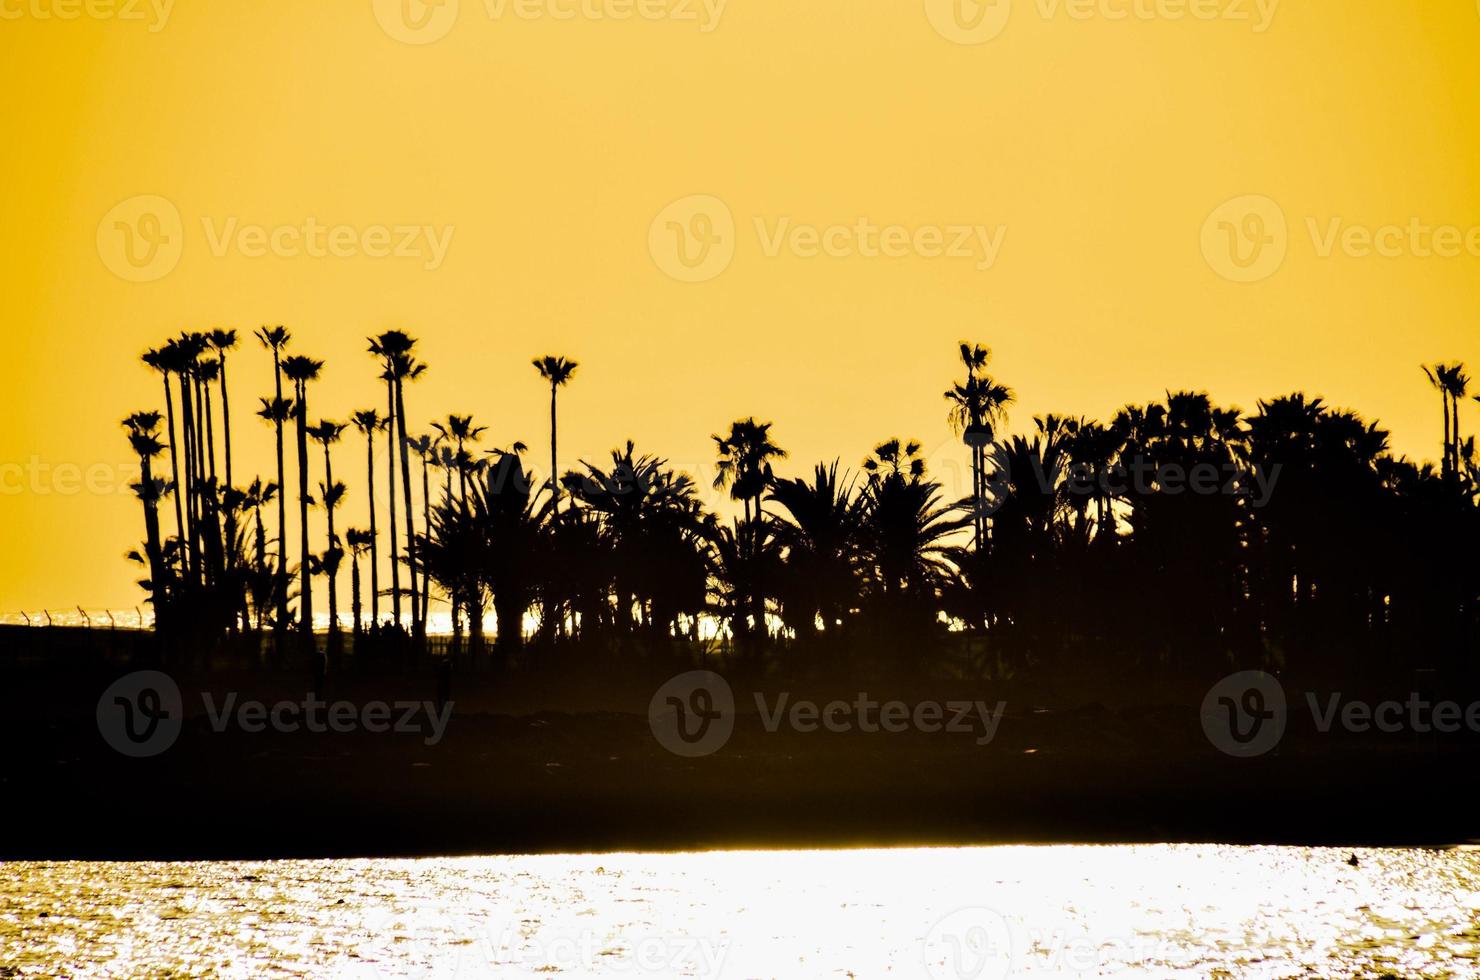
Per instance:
(183,355)
(423,447)
(367,421)
(395,348)
(557,371)
(163,360)
(262,579)
(745,457)
(301,370)
(1457,384)
(1452,383)
(223,341)
(209,370)
(459,429)
(360,542)
(143,437)
(275,339)
(977,408)
(326,433)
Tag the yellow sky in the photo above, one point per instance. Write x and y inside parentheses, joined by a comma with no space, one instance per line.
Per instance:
(1092,143)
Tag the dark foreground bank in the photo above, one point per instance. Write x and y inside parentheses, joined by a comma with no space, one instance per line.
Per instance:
(498,772)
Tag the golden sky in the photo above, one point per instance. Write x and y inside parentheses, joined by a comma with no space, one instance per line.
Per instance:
(882,179)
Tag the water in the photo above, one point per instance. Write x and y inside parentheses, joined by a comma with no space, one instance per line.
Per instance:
(980,913)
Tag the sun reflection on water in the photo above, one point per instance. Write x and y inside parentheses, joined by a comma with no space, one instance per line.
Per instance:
(982,913)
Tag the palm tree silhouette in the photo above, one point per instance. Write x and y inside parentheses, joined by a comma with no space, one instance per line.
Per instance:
(164,360)
(143,437)
(821,541)
(1452,384)
(262,578)
(301,370)
(977,407)
(395,348)
(223,341)
(423,447)
(360,542)
(209,370)
(1457,384)
(745,467)
(557,371)
(181,355)
(367,421)
(904,534)
(277,411)
(459,429)
(326,433)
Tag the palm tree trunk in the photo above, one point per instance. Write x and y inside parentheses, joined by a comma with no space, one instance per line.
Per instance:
(374,572)
(354,584)
(557,608)
(282,502)
(554,459)
(1446,468)
(1454,431)
(226,418)
(390,465)
(207,528)
(210,428)
(261,553)
(151,539)
(187,432)
(418,623)
(305,588)
(977,517)
(462,479)
(331,572)
(169,408)
(426,513)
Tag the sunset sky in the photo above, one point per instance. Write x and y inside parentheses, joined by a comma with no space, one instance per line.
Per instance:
(530,167)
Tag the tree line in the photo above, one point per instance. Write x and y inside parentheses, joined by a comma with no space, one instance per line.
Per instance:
(1178,533)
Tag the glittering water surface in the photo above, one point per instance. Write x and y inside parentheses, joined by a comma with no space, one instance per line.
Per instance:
(989,912)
